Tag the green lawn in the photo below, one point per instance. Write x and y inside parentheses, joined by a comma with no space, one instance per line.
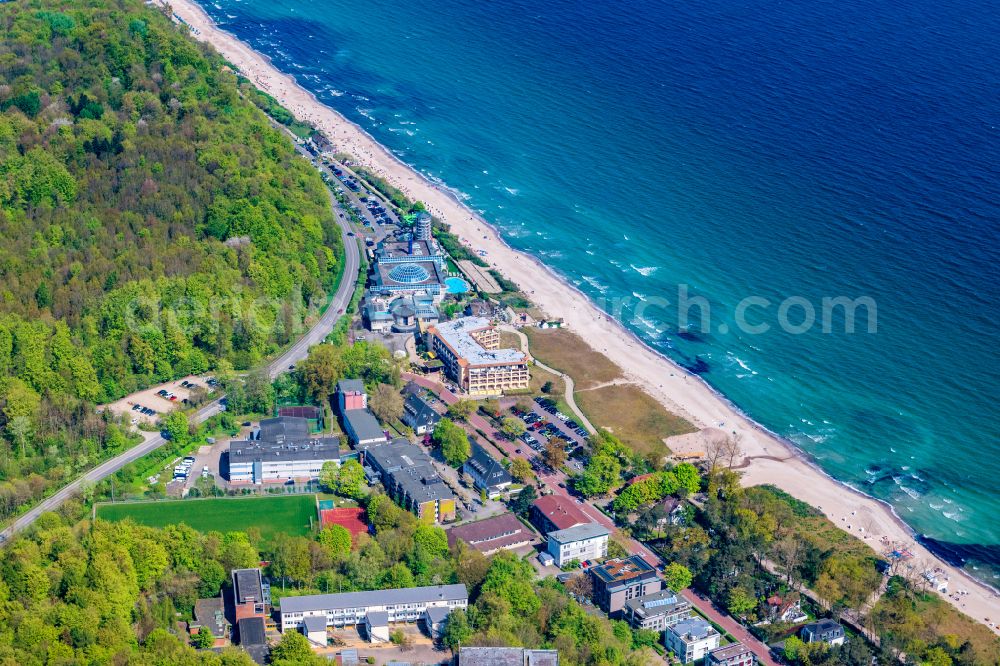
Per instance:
(270,514)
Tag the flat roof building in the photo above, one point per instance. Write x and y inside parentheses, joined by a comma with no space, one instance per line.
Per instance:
(490,535)
(251,596)
(252,637)
(362,428)
(210,614)
(580,542)
(469,348)
(618,580)
(691,639)
(279,450)
(656,611)
(506,656)
(351,394)
(375,607)
(410,478)
(734,654)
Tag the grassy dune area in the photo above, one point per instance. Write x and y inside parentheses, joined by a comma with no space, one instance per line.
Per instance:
(624,409)
(633,416)
(568,353)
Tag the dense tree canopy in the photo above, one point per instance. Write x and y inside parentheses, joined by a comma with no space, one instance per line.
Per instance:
(153,223)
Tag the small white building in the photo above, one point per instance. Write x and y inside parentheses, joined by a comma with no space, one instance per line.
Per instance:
(690,640)
(580,542)
(314,629)
(377,626)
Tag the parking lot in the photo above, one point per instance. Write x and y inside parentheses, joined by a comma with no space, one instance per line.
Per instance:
(544,422)
(149,405)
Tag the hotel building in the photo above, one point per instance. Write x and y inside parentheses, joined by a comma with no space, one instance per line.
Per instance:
(470,350)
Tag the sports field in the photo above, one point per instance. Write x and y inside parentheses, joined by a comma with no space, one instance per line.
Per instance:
(270,514)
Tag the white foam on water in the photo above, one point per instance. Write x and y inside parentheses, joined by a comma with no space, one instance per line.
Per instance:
(644,271)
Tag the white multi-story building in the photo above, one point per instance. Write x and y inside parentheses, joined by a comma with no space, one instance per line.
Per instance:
(282,450)
(375,608)
(580,542)
(690,640)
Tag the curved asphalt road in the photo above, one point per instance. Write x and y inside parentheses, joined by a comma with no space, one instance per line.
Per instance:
(292,355)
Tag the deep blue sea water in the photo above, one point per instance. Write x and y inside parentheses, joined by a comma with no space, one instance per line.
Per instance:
(743,148)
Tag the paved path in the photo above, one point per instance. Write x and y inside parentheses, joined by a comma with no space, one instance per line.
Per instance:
(292,355)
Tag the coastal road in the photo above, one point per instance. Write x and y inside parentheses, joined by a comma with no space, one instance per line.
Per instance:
(294,354)
(553,481)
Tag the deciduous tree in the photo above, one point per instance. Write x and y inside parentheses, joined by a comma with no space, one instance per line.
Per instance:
(452,441)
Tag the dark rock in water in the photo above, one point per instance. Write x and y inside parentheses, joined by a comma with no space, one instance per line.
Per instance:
(698,366)
(959,554)
(691,336)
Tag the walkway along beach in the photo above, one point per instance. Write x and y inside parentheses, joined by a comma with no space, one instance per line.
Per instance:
(770,459)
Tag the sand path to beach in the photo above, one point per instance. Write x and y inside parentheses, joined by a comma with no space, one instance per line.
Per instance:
(771,460)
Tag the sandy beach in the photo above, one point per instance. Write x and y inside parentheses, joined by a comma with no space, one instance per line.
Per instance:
(768,459)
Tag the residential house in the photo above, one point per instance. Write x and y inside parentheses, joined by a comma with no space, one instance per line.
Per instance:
(211,615)
(823,631)
(486,471)
(656,611)
(580,542)
(734,654)
(787,609)
(621,579)
(556,512)
(419,415)
(490,535)
(691,639)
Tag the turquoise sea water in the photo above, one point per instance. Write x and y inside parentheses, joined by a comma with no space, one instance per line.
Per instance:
(744,149)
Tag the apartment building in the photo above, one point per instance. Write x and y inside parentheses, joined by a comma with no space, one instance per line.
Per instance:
(656,611)
(621,579)
(409,477)
(375,609)
(691,639)
(580,542)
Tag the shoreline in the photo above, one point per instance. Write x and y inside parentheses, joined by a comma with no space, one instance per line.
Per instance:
(784,465)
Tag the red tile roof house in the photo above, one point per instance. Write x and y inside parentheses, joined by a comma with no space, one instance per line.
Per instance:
(555,512)
(488,536)
(351,518)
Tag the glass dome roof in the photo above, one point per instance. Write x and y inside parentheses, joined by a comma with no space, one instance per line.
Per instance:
(409,274)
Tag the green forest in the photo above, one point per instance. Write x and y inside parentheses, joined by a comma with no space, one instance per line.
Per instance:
(153,223)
